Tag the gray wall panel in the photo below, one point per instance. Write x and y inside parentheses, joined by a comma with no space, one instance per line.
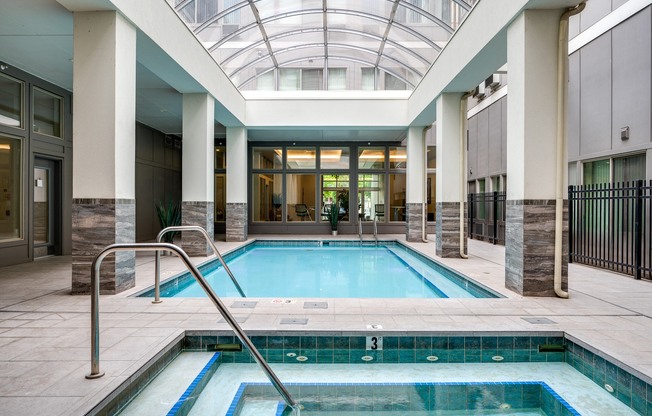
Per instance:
(594,11)
(503,111)
(632,45)
(483,143)
(595,96)
(495,139)
(573,130)
(472,144)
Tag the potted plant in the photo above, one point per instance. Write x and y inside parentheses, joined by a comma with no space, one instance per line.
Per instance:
(169,216)
(334,216)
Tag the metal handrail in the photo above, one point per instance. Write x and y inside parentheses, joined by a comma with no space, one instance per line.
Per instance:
(157,260)
(95,311)
(360,217)
(376,229)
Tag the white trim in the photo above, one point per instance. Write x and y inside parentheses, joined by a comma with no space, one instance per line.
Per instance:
(607,23)
(500,93)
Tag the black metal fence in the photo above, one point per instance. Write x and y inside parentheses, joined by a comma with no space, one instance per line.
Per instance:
(487,217)
(610,227)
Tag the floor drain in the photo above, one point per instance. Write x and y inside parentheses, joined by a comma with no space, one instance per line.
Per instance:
(367,358)
(238,319)
(315,305)
(244,304)
(294,321)
(543,321)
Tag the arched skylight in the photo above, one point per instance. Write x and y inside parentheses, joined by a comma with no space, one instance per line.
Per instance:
(323,44)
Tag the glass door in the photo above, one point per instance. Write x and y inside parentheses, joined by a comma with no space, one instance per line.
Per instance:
(46,197)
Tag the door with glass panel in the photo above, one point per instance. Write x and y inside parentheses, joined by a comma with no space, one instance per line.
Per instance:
(46,217)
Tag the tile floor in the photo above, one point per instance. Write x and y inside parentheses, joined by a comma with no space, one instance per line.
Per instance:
(45,331)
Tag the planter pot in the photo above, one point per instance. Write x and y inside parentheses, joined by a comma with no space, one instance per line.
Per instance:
(333,232)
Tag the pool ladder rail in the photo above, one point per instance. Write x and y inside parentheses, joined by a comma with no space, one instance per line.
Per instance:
(375,229)
(157,247)
(209,240)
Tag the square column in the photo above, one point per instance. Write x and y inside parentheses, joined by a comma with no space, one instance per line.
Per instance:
(451,189)
(416,177)
(532,42)
(198,172)
(104,130)
(236,184)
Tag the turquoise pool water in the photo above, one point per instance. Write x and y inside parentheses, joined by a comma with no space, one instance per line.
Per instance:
(326,271)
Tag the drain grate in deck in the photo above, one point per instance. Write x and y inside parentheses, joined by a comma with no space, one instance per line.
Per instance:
(244,304)
(315,305)
(238,319)
(543,321)
(294,321)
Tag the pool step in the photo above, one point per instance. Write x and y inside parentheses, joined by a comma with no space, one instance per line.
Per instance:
(255,407)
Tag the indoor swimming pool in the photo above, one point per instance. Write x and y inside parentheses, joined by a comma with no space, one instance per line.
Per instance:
(315,269)
(412,376)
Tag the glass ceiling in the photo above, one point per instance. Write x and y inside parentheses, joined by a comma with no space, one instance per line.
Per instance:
(323,44)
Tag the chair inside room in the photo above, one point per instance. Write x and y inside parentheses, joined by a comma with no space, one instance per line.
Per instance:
(302,211)
(379,211)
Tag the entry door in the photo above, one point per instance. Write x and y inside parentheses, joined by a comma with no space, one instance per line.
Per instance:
(47,207)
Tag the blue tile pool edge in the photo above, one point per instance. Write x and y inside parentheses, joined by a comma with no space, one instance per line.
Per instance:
(187,400)
(470,285)
(237,403)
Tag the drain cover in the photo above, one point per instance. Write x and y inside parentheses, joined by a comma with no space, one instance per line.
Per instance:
(294,321)
(244,304)
(315,305)
(238,319)
(539,320)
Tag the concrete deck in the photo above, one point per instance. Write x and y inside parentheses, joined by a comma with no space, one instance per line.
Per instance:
(45,332)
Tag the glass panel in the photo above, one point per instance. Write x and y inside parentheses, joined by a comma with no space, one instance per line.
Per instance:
(336,78)
(371,196)
(334,190)
(220,197)
(431,207)
(41,206)
(302,158)
(393,83)
(431,157)
(312,79)
(268,8)
(397,197)
(368,82)
(10,189)
(481,214)
(267,158)
(397,157)
(267,191)
(597,172)
(629,168)
(289,79)
(334,157)
(306,55)
(47,113)
(11,101)
(300,194)
(371,158)
(220,157)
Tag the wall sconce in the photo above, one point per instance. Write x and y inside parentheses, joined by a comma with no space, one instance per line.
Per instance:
(624,133)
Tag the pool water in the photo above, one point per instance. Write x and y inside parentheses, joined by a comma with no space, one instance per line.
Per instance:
(387,271)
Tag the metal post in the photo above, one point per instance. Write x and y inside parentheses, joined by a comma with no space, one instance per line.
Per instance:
(495,216)
(638,225)
(471,214)
(95,326)
(571,189)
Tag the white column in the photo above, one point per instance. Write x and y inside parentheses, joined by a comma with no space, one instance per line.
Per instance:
(416,177)
(532,42)
(104,129)
(451,188)
(236,184)
(198,202)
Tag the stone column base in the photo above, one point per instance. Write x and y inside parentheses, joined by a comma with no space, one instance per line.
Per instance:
(199,213)
(530,247)
(236,221)
(447,229)
(414,222)
(97,223)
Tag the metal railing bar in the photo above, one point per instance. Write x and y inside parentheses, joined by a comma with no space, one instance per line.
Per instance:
(95,311)
(157,261)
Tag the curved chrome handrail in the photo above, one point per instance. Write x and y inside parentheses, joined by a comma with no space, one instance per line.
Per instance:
(95,311)
(376,229)
(157,260)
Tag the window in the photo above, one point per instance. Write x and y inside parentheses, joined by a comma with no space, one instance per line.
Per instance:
(312,79)
(371,196)
(301,158)
(11,101)
(397,188)
(598,171)
(48,116)
(393,83)
(334,189)
(371,158)
(397,157)
(220,183)
(334,157)
(368,82)
(300,197)
(629,168)
(10,188)
(289,79)
(336,79)
(431,157)
(267,158)
(266,82)
(267,184)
